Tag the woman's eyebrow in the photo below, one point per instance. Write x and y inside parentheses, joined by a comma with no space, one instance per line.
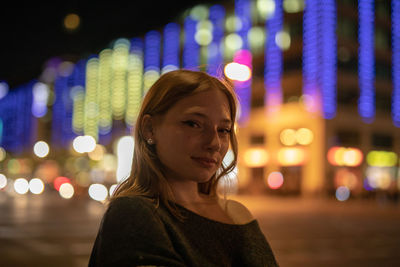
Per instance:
(199,114)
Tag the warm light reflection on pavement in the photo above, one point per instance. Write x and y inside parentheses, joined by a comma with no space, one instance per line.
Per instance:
(46,230)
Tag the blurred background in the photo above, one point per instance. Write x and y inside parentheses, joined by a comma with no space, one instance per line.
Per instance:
(318,128)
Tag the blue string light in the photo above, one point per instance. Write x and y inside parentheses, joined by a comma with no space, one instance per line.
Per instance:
(366,60)
(243,12)
(61,132)
(328,56)
(396,62)
(16,115)
(311,54)
(215,49)
(171,47)
(273,59)
(243,89)
(191,47)
(152,51)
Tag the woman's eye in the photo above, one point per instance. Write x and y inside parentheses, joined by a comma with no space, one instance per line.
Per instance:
(192,124)
(225,131)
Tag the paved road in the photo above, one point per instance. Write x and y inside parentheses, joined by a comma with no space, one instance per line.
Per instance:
(46,230)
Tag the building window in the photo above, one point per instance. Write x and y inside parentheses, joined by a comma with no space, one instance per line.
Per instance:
(347,96)
(257,139)
(382,141)
(347,138)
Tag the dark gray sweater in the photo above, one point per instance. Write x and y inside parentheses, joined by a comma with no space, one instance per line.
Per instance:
(134,232)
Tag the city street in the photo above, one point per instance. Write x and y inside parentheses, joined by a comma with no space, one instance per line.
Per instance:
(46,230)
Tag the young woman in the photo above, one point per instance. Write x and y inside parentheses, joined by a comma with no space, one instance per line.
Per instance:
(168,213)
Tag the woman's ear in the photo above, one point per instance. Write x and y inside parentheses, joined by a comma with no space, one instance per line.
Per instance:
(148,127)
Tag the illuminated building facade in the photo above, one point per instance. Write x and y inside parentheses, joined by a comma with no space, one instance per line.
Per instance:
(318,83)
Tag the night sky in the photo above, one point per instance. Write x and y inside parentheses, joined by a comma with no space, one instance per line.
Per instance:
(32,33)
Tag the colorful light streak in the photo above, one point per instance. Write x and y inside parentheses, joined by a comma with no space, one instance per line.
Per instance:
(215,49)
(104,91)
(16,116)
(328,57)
(273,59)
(77,94)
(61,132)
(243,56)
(119,66)
(311,66)
(190,56)
(396,62)
(91,113)
(152,45)
(366,60)
(135,82)
(171,47)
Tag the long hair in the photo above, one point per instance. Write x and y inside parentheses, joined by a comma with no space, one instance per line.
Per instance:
(147,177)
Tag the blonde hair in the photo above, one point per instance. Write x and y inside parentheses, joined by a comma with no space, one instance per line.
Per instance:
(147,178)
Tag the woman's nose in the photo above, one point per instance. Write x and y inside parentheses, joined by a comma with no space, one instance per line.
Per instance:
(213,141)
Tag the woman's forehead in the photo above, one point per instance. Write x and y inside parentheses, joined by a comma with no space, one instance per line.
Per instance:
(210,101)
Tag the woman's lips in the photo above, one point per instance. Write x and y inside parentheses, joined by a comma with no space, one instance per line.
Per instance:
(205,162)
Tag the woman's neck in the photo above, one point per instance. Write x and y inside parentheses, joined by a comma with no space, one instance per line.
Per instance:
(187,192)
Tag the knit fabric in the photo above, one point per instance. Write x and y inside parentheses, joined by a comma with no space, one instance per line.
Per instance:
(135,232)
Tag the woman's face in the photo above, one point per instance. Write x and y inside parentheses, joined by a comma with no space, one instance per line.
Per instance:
(193,137)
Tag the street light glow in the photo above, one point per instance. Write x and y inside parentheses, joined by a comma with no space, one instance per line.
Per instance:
(21,186)
(238,72)
(36,186)
(41,149)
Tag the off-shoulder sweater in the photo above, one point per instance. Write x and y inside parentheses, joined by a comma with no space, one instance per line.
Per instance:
(134,231)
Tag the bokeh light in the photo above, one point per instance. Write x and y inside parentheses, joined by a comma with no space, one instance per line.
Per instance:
(36,186)
(292,156)
(21,186)
(342,193)
(60,181)
(382,158)
(3,89)
(71,21)
(265,8)
(256,157)
(125,147)
(342,156)
(112,189)
(66,190)
(41,149)
(98,192)
(83,144)
(237,72)
(98,153)
(283,40)
(293,6)
(3,154)
(288,137)
(3,181)
(304,136)
(275,180)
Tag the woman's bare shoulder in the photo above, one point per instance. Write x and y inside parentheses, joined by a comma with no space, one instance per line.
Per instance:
(237,211)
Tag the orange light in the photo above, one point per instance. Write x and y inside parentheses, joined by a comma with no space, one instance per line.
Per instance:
(291,156)
(256,157)
(341,156)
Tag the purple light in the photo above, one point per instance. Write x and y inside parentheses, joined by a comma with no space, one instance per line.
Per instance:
(215,49)
(243,89)
(273,59)
(191,48)
(366,60)
(328,56)
(396,62)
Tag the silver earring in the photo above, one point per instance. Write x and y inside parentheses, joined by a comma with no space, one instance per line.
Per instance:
(150,141)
